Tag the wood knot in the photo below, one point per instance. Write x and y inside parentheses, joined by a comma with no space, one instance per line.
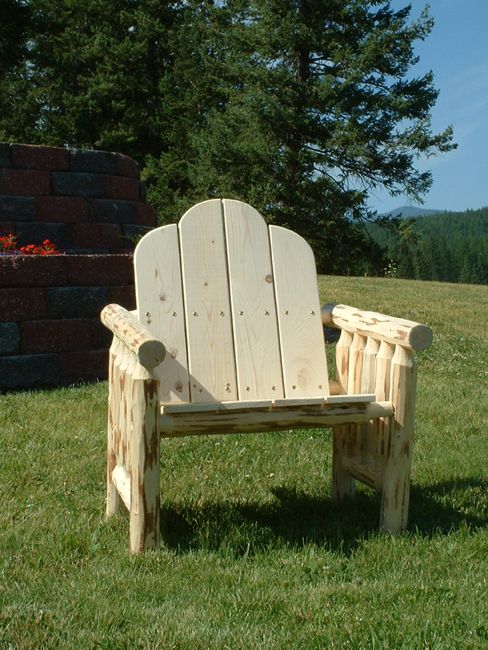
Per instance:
(269,278)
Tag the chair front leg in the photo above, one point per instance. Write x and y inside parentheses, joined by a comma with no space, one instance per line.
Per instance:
(145,457)
(399,443)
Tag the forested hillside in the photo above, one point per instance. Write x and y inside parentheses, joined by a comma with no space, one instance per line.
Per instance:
(449,247)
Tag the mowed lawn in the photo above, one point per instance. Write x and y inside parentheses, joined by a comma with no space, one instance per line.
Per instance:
(254,555)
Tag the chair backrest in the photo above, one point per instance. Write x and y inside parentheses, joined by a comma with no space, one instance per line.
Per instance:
(236,304)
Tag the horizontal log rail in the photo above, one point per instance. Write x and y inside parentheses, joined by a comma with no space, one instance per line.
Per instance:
(395,331)
(254,421)
(149,350)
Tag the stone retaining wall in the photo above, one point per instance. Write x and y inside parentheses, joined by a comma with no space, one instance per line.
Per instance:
(88,203)
(83,201)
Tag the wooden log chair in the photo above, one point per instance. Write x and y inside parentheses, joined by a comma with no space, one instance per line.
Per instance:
(228,337)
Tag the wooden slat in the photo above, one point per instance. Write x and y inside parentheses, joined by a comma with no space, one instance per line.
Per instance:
(350,399)
(160,307)
(211,359)
(299,401)
(257,350)
(299,319)
(217,406)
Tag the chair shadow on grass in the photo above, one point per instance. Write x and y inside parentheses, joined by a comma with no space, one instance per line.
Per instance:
(295,518)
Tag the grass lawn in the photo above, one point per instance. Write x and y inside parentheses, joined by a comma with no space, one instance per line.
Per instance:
(254,555)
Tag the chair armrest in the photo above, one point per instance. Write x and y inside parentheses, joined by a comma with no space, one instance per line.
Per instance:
(395,331)
(149,350)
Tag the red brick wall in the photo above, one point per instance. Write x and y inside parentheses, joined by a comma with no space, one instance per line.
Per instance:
(87,203)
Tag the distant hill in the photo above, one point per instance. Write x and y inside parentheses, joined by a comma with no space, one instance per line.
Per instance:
(408,211)
(437,245)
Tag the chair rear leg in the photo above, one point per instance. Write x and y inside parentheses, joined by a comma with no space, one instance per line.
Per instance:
(346,442)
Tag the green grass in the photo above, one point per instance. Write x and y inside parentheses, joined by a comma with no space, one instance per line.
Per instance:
(254,555)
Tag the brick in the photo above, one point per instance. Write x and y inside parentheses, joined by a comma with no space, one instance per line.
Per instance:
(18,304)
(111,211)
(7,228)
(60,209)
(122,188)
(25,182)
(9,339)
(93,270)
(29,371)
(84,185)
(55,335)
(32,271)
(76,302)
(92,162)
(124,296)
(36,233)
(17,208)
(126,166)
(5,157)
(146,215)
(101,336)
(102,236)
(29,156)
(88,365)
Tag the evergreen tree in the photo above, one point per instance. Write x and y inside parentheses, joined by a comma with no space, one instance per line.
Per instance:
(320,110)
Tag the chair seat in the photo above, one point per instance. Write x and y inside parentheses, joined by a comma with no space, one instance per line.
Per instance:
(267,404)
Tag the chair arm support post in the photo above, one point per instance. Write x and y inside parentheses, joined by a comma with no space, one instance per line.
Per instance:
(396,331)
(149,350)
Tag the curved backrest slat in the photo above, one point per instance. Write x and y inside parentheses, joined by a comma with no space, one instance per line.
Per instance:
(299,320)
(257,349)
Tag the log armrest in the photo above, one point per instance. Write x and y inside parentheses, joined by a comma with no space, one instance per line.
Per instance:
(395,331)
(149,350)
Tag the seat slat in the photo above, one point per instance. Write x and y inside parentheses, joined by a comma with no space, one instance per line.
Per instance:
(211,359)
(252,297)
(160,306)
(299,319)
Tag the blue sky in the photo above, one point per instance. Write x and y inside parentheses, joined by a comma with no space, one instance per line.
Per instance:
(457,53)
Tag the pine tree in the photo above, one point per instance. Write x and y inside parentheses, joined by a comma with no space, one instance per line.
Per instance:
(320,110)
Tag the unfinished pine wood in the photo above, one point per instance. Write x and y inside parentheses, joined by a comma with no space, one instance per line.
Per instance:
(396,331)
(113,426)
(121,481)
(351,399)
(149,350)
(257,351)
(398,457)
(364,472)
(200,309)
(342,360)
(345,443)
(379,435)
(159,296)
(368,385)
(299,321)
(356,354)
(211,358)
(252,421)
(144,470)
